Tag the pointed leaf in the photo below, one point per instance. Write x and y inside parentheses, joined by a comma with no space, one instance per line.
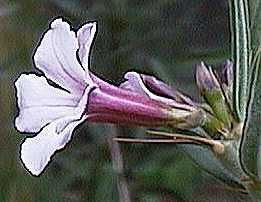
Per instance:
(240,54)
(251,139)
(207,160)
(255,25)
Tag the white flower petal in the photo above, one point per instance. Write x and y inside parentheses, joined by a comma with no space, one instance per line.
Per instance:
(39,103)
(56,56)
(54,110)
(36,152)
(85,36)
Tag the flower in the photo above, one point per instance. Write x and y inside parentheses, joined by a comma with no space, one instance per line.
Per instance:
(54,112)
(53,104)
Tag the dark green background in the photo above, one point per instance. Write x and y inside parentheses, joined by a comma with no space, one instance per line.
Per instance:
(165,38)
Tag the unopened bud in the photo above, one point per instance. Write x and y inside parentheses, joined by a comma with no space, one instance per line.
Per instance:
(164,89)
(227,73)
(226,77)
(212,93)
(205,78)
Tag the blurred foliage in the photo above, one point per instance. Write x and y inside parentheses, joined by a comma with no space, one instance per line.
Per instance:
(165,38)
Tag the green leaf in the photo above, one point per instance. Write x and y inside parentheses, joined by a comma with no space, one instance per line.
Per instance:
(255,25)
(240,55)
(251,139)
(207,160)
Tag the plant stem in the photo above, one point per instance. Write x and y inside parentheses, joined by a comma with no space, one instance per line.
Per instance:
(117,162)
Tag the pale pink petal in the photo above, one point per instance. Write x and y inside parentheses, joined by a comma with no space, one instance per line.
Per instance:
(85,36)
(56,56)
(36,152)
(163,89)
(136,84)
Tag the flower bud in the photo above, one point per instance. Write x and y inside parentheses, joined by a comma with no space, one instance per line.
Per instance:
(227,73)
(205,78)
(166,90)
(212,93)
(226,77)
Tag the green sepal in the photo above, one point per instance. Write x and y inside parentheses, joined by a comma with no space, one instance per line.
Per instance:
(216,100)
(213,126)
